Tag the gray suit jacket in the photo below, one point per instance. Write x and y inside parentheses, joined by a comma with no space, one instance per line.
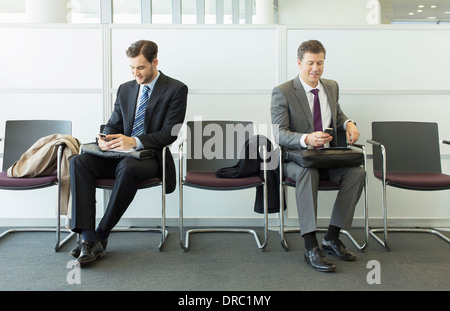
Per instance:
(290,111)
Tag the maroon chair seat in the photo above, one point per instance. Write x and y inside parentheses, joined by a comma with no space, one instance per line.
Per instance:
(417,181)
(16,183)
(210,180)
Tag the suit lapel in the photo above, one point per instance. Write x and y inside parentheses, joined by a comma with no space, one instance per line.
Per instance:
(299,92)
(132,98)
(158,90)
(331,94)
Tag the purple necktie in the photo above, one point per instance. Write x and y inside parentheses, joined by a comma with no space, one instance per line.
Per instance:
(316,113)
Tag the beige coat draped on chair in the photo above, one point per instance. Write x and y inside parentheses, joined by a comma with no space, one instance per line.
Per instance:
(41,160)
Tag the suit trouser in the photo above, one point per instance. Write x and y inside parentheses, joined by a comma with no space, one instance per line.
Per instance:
(85,168)
(351,184)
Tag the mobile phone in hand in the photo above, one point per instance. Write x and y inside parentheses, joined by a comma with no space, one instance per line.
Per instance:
(329,130)
(103,135)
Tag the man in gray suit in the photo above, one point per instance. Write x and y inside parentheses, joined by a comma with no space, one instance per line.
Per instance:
(293,110)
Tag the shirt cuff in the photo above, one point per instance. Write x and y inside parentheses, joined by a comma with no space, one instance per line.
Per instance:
(345,123)
(139,145)
(302,141)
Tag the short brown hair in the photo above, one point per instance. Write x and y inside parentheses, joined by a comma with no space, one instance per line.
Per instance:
(148,48)
(311,46)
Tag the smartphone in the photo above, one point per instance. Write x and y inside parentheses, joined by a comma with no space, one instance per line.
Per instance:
(103,135)
(329,130)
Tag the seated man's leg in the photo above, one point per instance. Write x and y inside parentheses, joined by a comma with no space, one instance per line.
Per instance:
(306,189)
(128,174)
(351,181)
(84,169)
(351,184)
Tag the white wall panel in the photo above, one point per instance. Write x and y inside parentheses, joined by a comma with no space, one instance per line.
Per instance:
(385,73)
(205,58)
(50,58)
(379,57)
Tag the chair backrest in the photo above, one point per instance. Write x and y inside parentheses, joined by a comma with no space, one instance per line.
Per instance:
(212,145)
(410,146)
(20,135)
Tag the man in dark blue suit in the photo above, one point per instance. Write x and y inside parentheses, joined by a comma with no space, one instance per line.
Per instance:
(163,101)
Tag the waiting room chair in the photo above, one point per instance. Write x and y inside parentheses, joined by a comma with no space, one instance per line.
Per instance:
(324,185)
(406,155)
(201,169)
(20,135)
(107,184)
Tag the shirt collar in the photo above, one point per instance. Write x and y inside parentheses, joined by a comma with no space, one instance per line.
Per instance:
(308,88)
(151,85)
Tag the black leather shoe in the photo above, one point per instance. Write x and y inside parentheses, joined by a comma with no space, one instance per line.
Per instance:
(75,252)
(337,248)
(316,259)
(90,251)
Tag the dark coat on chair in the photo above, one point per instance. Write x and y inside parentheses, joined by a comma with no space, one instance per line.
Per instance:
(248,165)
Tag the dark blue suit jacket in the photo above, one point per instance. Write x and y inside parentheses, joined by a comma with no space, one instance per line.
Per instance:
(165,111)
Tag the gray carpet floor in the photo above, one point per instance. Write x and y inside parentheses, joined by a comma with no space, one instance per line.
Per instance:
(221,262)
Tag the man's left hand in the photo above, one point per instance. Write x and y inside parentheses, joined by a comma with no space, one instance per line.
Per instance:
(352,133)
(121,142)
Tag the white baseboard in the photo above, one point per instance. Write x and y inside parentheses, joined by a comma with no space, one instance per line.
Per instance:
(236,222)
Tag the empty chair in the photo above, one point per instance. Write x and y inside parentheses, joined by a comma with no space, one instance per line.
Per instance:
(406,155)
(229,138)
(20,135)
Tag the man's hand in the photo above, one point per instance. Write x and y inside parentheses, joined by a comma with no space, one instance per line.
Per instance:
(116,142)
(352,133)
(318,139)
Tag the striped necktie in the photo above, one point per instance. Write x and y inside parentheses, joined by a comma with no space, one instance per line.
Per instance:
(138,127)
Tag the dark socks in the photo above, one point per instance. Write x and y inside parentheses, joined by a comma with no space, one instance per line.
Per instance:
(94,236)
(332,233)
(102,234)
(310,240)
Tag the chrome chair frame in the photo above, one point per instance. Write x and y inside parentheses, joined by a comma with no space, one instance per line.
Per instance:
(282,230)
(385,228)
(164,232)
(185,243)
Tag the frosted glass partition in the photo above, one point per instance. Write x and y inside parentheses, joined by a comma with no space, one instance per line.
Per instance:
(205,58)
(85,111)
(373,59)
(51,58)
